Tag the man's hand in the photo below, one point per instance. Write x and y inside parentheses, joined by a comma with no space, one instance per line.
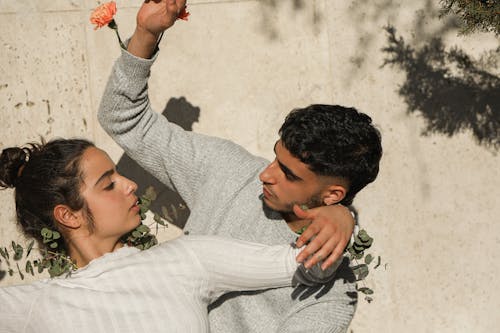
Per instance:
(331,227)
(153,18)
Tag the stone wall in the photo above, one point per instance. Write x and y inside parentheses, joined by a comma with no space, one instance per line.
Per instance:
(236,68)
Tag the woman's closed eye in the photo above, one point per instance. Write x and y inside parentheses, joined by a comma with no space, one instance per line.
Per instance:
(110,186)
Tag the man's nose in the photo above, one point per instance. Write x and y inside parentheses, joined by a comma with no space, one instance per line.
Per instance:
(268,175)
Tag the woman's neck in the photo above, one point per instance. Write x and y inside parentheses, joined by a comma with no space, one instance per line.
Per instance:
(83,250)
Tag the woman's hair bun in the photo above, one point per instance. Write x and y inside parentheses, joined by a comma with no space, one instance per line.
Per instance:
(12,161)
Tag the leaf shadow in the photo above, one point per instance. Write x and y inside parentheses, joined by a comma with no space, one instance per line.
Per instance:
(269,24)
(449,89)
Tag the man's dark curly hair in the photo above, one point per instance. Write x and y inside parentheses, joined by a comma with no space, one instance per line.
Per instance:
(334,141)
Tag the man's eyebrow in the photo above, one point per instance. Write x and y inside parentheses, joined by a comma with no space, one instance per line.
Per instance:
(287,171)
(104,175)
(274,149)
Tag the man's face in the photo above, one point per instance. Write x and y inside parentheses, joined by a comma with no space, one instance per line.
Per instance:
(288,181)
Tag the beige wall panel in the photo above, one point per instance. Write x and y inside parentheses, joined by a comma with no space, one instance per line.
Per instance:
(44,84)
(433,211)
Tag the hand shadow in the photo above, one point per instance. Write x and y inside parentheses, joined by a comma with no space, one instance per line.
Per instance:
(344,274)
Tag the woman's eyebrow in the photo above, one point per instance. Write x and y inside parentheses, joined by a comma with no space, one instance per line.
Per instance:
(104,175)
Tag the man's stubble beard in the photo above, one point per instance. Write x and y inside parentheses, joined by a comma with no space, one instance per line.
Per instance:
(312,202)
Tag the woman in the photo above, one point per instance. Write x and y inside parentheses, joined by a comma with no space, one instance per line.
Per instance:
(73,187)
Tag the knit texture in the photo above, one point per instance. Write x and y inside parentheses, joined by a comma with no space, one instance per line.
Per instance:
(218,180)
(164,289)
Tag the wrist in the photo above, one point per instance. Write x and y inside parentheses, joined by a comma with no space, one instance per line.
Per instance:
(143,43)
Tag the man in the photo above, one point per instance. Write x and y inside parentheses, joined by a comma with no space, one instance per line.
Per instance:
(222,183)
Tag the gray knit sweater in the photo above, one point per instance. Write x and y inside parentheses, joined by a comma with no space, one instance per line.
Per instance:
(219,182)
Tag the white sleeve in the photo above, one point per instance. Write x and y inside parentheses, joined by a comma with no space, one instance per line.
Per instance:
(16,304)
(234,265)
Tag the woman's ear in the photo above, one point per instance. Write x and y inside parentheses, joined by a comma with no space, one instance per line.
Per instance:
(334,194)
(67,217)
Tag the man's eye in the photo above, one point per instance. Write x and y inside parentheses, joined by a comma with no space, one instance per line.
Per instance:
(110,186)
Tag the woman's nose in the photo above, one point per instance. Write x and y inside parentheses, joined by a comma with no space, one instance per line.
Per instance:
(130,187)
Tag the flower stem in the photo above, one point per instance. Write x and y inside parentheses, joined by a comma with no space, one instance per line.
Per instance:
(120,40)
(114,26)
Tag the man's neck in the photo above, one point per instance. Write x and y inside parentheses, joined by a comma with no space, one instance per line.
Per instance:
(294,223)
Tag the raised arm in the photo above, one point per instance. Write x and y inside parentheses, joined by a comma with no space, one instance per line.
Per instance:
(181,160)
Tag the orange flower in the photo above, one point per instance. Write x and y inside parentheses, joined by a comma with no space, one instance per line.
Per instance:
(183,15)
(103,14)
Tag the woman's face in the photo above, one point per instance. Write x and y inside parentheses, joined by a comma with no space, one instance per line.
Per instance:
(110,197)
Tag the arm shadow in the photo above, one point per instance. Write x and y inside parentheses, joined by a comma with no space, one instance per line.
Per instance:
(181,112)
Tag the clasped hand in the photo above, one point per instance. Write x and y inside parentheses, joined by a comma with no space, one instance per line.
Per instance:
(328,234)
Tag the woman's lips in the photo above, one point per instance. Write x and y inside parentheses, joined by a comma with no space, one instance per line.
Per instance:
(135,206)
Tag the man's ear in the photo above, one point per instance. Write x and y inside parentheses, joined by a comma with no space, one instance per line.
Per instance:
(334,194)
(67,217)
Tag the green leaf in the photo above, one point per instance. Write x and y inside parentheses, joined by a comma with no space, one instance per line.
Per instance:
(150,193)
(46,232)
(157,218)
(357,255)
(143,228)
(18,251)
(363,235)
(368,259)
(56,235)
(29,268)
(53,245)
(361,271)
(174,212)
(20,273)
(368,299)
(4,253)
(365,290)
(30,247)
(136,234)
(55,270)
(166,214)
(358,248)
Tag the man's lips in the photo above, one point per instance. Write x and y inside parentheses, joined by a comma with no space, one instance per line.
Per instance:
(266,192)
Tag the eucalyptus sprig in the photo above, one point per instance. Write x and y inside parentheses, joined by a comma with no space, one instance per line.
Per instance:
(54,259)
(356,250)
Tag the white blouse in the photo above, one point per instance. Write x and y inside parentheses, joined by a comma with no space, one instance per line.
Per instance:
(164,289)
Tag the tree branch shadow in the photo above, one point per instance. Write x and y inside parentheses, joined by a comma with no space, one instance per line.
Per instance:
(378,12)
(452,91)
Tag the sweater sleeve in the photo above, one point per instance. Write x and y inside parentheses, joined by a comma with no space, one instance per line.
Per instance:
(180,159)
(233,265)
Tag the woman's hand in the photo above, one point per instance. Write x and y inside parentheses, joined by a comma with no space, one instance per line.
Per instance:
(328,234)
